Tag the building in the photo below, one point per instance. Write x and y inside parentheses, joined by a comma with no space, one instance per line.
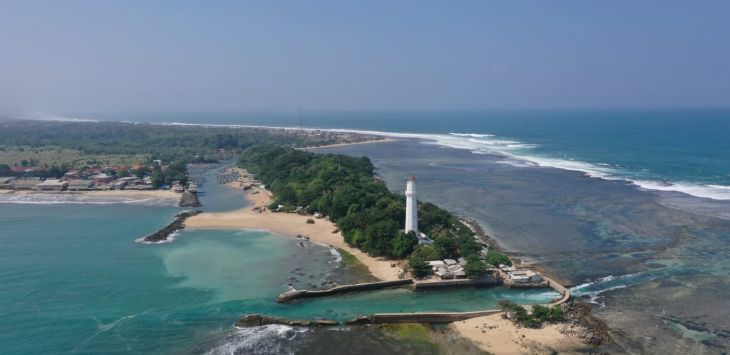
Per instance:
(51,185)
(24,184)
(524,277)
(102,178)
(79,185)
(411,206)
(6,182)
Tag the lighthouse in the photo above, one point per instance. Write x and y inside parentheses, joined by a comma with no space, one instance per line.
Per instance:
(411,206)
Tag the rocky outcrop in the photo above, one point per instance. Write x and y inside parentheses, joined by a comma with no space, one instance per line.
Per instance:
(163,234)
(581,323)
(189,199)
(255,320)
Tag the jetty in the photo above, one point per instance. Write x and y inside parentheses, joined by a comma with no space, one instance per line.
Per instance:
(421,317)
(164,233)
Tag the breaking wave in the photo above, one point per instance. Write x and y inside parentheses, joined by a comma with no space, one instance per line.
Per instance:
(592,290)
(55,199)
(519,154)
(268,339)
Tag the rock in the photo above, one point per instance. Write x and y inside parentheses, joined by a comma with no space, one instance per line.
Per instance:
(189,199)
(255,320)
(164,233)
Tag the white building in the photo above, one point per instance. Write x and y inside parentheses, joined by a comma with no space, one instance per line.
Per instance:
(411,206)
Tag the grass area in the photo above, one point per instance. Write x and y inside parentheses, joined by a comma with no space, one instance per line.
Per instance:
(354,267)
(416,336)
(55,155)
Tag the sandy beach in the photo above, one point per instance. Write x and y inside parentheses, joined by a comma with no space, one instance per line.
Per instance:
(492,333)
(141,194)
(497,335)
(288,224)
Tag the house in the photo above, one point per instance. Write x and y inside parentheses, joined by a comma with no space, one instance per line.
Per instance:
(72,174)
(6,182)
(102,178)
(524,277)
(436,264)
(24,184)
(51,185)
(79,185)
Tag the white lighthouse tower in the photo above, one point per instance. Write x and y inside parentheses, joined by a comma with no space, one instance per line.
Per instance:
(411,206)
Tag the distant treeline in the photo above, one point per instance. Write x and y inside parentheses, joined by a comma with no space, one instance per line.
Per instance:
(368,214)
(167,143)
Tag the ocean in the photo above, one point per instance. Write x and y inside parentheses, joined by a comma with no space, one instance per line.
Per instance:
(629,208)
(74,281)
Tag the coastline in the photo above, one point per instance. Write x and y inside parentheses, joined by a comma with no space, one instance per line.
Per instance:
(162,194)
(289,224)
(377,140)
(490,333)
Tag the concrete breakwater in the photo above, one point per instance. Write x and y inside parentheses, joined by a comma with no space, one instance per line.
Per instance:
(483,282)
(164,233)
(420,317)
(368,286)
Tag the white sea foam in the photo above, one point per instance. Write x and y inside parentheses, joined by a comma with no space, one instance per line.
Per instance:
(170,238)
(518,154)
(257,340)
(336,255)
(595,288)
(54,199)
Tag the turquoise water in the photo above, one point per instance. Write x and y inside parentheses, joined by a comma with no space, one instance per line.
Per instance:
(74,280)
(686,149)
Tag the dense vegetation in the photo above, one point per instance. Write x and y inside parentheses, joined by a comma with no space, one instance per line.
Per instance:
(169,144)
(166,143)
(368,214)
(540,314)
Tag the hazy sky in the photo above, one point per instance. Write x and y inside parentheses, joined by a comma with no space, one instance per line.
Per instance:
(131,56)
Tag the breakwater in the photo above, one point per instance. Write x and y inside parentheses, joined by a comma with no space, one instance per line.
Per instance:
(420,317)
(255,320)
(164,233)
(483,282)
(368,286)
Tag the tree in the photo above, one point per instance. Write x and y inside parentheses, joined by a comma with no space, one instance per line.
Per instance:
(495,258)
(427,252)
(403,244)
(419,267)
(475,268)
(447,245)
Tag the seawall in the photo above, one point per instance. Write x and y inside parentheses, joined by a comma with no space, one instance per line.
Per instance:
(368,286)
(420,317)
(483,282)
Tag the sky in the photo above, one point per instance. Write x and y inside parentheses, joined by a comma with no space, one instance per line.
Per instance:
(61,57)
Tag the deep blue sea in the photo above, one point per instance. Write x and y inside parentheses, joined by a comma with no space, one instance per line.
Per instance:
(631,208)
(671,150)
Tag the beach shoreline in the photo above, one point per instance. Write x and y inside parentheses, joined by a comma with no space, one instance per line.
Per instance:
(258,217)
(162,194)
(490,333)
(377,140)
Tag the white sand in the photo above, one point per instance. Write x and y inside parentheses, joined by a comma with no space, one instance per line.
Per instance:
(497,335)
(289,224)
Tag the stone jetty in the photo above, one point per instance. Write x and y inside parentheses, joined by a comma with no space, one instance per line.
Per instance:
(255,320)
(164,233)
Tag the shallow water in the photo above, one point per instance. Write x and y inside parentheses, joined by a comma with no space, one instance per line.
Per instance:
(660,272)
(74,280)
